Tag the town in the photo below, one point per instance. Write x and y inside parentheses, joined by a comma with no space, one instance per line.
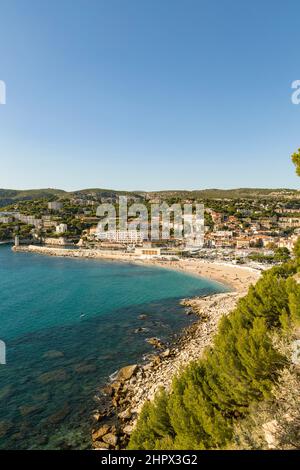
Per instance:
(254,227)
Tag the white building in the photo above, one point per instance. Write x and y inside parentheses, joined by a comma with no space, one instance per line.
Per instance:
(121,236)
(61,228)
(289,222)
(6,220)
(29,220)
(55,205)
(47,222)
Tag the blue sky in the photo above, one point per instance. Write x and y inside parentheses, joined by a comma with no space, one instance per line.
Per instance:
(149,94)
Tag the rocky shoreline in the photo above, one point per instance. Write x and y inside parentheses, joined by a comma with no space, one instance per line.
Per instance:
(121,401)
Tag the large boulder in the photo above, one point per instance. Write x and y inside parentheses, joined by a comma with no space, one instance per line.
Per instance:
(97,435)
(101,445)
(128,429)
(110,439)
(126,414)
(126,373)
(155,342)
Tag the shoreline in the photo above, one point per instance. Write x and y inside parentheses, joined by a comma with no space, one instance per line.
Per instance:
(236,277)
(121,400)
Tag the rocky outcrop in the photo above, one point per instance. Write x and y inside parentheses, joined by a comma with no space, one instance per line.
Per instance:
(156,343)
(105,437)
(126,373)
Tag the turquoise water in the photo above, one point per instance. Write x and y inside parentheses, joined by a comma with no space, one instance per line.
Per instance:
(68,324)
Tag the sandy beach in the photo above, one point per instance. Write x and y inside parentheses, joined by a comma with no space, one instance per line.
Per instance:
(236,277)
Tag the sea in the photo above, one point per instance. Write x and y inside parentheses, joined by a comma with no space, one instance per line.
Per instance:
(68,324)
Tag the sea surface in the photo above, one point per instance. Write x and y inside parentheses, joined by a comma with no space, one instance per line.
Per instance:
(70,323)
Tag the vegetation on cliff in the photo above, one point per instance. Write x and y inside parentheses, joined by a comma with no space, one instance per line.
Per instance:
(213,397)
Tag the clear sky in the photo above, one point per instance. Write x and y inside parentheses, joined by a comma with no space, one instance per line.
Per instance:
(149,94)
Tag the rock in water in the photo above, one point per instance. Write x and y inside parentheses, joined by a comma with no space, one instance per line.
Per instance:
(28,410)
(53,354)
(5,426)
(60,415)
(52,376)
(155,342)
(142,317)
(126,373)
(85,368)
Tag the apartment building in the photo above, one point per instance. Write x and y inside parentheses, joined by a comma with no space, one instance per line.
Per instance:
(121,236)
(55,205)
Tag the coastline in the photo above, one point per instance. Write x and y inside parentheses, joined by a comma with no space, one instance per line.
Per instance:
(236,277)
(120,402)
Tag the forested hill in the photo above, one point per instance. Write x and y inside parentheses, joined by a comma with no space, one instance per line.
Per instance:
(9,196)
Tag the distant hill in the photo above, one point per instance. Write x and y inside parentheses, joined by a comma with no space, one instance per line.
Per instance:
(9,196)
(239,193)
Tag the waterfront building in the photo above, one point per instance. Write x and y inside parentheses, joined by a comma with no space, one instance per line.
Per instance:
(121,236)
(147,251)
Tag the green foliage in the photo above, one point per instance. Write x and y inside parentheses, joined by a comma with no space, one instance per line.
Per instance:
(294,301)
(239,370)
(261,258)
(197,422)
(296,161)
(284,270)
(282,254)
(297,251)
(151,429)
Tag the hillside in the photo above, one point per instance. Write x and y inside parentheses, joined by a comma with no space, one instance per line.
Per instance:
(239,193)
(9,196)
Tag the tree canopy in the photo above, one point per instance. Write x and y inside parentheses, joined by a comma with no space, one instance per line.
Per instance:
(296,161)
